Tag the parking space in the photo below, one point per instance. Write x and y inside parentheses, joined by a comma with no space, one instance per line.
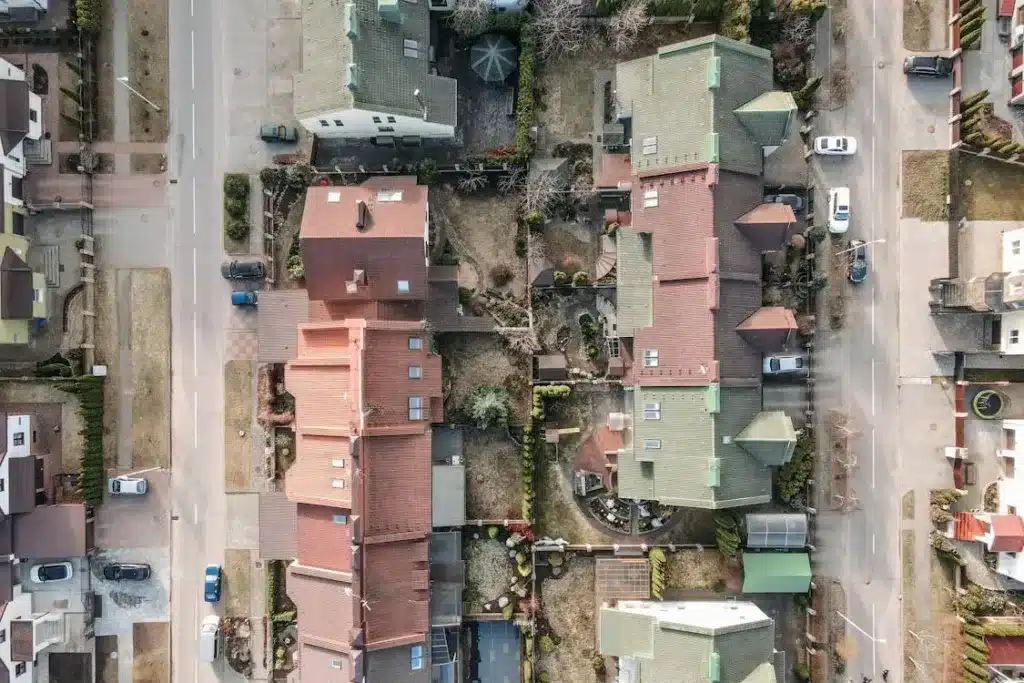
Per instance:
(130,601)
(789,397)
(77,583)
(137,521)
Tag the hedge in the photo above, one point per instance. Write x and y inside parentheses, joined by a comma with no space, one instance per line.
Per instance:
(236,206)
(791,478)
(526,112)
(972,39)
(657,561)
(526,455)
(971,100)
(969,111)
(968,27)
(88,15)
(1005,630)
(804,97)
(89,390)
(976,13)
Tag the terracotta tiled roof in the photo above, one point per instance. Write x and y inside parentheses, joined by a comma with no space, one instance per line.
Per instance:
(767,226)
(396,481)
(615,171)
(967,527)
(1007,533)
(326,602)
(607,440)
(1005,650)
(396,590)
(769,328)
(1005,8)
(322,541)
(389,248)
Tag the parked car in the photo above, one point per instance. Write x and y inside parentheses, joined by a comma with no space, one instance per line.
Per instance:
(835,145)
(935,66)
(858,261)
(244,298)
(243,270)
(793,200)
(785,364)
(211,583)
(839,210)
(126,571)
(56,571)
(209,639)
(127,486)
(278,133)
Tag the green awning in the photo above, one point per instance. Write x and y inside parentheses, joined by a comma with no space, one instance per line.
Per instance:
(776,572)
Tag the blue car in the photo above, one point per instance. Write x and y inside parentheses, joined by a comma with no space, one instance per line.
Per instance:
(858,261)
(211,583)
(244,298)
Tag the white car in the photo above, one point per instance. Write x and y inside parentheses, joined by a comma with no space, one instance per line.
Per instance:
(839,210)
(785,365)
(835,145)
(127,486)
(56,571)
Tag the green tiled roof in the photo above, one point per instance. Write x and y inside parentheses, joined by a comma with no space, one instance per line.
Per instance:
(683,103)
(768,116)
(776,572)
(687,652)
(770,437)
(635,287)
(386,77)
(689,455)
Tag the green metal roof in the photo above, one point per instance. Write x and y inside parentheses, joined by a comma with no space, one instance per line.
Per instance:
(337,35)
(776,572)
(635,285)
(686,454)
(665,651)
(684,100)
(768,116)
(770,437)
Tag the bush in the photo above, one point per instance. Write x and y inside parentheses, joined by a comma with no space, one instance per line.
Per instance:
(580,278)
(490,407)
(91,479)
(53,370)
(791,478)
(561,278)
(237,229)
(272,176)
(88,15)
(804,97)
(801,672)
(547,646)
(525,104)
(534,219)
(735,21)
(521,247)
(501,275)
(236,207)
(727,533)
(296,268)
(236,185)
(656,560)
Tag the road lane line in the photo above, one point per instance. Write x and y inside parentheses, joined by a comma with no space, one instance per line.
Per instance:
(193,130)
(874,643)
(872,386)
(192,7)
(195,419)
(195,277)
(195,220)
(195,513)
(873,306)
(193,60)
(872,544)
(872,457)
(195,348)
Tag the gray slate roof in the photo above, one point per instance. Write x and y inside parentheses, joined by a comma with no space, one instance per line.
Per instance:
(685,97)
(635,289)
(386,77)
(692,446)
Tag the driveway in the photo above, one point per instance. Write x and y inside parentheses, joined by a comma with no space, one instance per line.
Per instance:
(136,521)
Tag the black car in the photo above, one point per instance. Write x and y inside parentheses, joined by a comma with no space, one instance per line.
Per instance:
(242,270)
(126,572)
(935,66)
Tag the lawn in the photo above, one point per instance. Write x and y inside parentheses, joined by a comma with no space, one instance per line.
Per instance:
(994,190)
(237,574)
(489,570)
(151,652)
(925,185)
(917,24)
(558,515)
(148,60)
(492,475)
(700,570)
(237,425)
(474,360)
(569,604)
(150,344)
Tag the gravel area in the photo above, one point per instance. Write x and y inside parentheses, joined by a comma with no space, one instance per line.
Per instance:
(488,571)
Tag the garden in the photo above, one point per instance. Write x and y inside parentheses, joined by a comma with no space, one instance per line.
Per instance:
(491,458)
(282,635)
(499,570)
(476,361)
(566,631)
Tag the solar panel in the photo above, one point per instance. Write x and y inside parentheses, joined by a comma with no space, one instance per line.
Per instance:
(776,531)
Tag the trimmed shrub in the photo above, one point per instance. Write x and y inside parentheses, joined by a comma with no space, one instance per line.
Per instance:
(501,275)
(1005,630)
(236,207)
(88,15)
(236,185)
(971,100)
(525,103)
(735,21)
(296,268)
(972,110)
(547,646)
(580,278)
(972,39)
(972,14)
(237,229)
(561,278)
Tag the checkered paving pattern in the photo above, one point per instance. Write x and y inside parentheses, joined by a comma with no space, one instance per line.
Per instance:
(242,345)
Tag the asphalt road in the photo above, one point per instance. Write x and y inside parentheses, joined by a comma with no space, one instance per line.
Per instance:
(200,314)
(859,371)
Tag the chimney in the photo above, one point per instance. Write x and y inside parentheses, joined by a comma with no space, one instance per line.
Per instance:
(362,216)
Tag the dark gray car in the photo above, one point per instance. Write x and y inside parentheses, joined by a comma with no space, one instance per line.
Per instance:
(242,270)
(935,66)
(124,571)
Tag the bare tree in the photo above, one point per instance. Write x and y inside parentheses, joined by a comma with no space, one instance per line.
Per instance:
(512,181)
(520,340)
(625,26)
(797,29)
(542,188)
(470,16)
(560,27)
(582,187)
(472,182)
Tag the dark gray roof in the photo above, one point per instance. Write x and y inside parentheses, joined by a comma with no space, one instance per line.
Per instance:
(13,113)
(443,304)
(21,484)
(449,495)
(51,531)
(391,665)
(16,293)
(387,73)
(278,527)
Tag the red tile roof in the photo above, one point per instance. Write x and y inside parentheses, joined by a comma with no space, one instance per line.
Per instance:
(327,604)
(1007,533)
(396,590)
(1005,650)
(967,527)
(396,485)
(389,248)
(615,171)
(769,328)
(322,542)
(1005,8)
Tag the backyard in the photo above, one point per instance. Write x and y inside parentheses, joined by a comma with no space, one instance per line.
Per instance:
(492,475)
(475,360)
(569,607)
(987,189)
(925,185)
(570,324)
(700,570)
(489,570)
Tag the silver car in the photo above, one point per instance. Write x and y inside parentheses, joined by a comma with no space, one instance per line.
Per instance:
(127,486)
(791,364)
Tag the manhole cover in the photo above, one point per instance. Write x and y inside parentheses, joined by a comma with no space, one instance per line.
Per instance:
(931,129)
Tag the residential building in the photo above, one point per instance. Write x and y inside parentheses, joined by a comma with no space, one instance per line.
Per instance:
(689,328)
(20,119)
(377,591)
(697,642)
(1005,657)
(366,72)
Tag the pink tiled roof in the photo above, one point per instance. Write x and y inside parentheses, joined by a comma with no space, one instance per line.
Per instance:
(323,217)
(967,527)
(396,481)
(396,590)
(614,171)
(323,542)
(1005,8)
(326,609)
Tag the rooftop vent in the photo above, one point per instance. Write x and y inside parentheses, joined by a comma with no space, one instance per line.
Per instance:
(362,216)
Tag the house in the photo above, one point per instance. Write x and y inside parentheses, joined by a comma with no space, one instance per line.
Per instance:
(1006,656)
(27,633)
(697,642)
(22,11)
(368,566)
(366,72)
(20,119)
(690,325)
